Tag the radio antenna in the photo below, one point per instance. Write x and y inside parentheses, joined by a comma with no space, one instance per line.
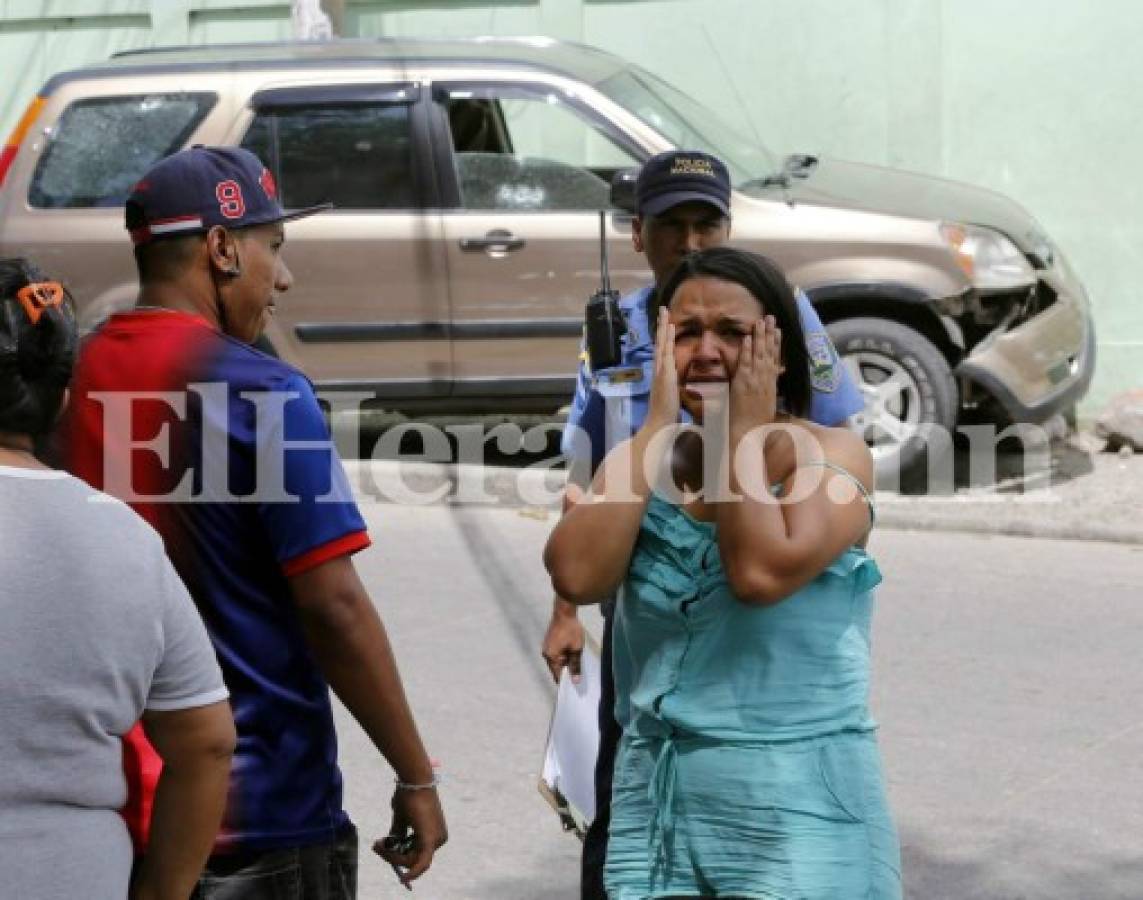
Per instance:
(603,250)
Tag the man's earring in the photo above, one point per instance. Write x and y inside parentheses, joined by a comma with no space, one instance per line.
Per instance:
(237,269)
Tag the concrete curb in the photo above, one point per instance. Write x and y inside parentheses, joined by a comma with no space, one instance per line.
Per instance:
(932,515)
(540,488)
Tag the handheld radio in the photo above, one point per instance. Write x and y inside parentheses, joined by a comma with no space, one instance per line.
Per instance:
(603,320)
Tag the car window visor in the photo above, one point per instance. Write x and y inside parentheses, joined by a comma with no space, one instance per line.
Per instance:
(336,94)
(498,91)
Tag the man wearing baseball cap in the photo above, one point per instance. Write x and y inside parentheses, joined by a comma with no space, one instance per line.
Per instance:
(682,204)
(224,450)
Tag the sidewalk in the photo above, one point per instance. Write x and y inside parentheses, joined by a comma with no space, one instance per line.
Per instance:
(1089,495)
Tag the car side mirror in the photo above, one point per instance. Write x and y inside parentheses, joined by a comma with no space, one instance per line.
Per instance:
(623,190)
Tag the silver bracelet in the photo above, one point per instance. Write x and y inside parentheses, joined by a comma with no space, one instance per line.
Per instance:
(427,786)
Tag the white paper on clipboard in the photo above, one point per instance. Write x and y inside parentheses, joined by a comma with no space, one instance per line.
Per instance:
(568,777)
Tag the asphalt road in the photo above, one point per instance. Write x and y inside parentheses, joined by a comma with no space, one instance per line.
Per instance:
(1008,676)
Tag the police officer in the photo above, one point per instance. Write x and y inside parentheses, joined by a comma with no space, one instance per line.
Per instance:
(682,204)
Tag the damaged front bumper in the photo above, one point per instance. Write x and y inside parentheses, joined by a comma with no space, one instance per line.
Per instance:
(1039,358)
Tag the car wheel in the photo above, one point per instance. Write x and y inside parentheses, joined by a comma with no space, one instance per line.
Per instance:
(908,388)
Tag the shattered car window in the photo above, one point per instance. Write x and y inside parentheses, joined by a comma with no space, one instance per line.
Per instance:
(102,147)
(527,148)
(500,181)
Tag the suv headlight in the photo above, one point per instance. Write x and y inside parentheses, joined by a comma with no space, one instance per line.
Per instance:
(989,259)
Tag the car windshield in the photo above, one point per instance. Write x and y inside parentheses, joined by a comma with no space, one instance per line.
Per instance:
(687,124)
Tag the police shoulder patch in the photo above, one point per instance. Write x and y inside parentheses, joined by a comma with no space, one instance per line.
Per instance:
(825,375)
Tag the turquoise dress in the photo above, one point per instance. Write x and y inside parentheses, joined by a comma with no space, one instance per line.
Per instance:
(749,765)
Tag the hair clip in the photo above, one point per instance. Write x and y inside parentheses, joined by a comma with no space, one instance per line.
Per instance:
(38,296)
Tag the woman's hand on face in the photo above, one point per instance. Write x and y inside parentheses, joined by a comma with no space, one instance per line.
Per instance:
(754,387)
(663,407)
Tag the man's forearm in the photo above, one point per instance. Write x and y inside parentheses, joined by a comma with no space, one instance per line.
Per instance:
(561,608)
(354,654)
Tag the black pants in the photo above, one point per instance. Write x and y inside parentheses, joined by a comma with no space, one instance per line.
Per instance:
(595,841)
(315,872)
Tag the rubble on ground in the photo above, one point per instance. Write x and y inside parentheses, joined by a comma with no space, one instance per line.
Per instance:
(1121,424)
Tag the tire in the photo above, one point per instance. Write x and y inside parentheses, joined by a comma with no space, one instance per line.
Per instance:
(897,425)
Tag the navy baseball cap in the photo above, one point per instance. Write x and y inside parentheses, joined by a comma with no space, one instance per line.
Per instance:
(679,176)
(193,190)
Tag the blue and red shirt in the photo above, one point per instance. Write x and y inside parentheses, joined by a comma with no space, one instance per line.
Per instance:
(247,492)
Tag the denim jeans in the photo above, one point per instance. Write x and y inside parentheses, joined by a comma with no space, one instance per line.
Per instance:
(314,872)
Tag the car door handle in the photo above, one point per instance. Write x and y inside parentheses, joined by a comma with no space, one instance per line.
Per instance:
(498,241)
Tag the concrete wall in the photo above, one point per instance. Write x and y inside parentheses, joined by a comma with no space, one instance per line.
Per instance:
(1038,101)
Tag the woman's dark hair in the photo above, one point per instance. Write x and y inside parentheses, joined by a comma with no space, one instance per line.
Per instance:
(765,281)
(37,350)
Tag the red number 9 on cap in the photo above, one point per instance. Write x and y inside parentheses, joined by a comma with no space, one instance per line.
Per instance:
(230,202)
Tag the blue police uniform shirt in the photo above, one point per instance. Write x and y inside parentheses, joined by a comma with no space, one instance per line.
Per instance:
(607,411)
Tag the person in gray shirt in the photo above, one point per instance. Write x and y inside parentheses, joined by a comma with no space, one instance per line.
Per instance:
(98,632)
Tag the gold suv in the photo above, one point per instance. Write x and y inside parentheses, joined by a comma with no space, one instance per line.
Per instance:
(467,178)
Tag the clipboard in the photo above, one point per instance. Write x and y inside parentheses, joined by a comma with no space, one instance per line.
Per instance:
(567,779)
